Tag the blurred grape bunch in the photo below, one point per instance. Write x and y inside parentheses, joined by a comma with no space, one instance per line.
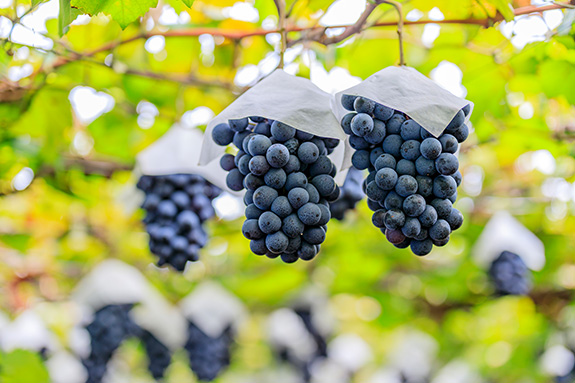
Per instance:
(213,315)
(109,328)
(208,356)
(118,303)
(510,275)
(299,335)
(177,206)
(351,194)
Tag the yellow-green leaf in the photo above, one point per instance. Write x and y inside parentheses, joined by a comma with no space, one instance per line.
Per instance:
(66,16)
(122,11)
(22,366)
(505,8)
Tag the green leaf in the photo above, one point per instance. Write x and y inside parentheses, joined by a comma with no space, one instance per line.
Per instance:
(123,11)
(36,2)
(188,3)
(505,8)
(66,16)
(22,366)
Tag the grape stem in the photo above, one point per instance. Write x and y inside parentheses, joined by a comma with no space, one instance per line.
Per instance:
(281,6)
(399,10)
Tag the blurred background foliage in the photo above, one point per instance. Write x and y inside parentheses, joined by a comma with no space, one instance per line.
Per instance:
(79,101)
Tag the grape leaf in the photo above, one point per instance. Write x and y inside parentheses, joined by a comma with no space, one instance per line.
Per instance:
(22,366)
(188,3)
(505,8)
(66,16)
(36,2)
(122,11)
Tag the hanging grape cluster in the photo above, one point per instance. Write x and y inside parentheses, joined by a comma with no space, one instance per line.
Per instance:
(351,194)
(109,328)
(290,183)
(159,355)
(176,207)
(208,356)
(510,275)
(413,176)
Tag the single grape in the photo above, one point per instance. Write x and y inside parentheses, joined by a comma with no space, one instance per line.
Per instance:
(406,185)
(431,148)
(258,145)
(296,180)
(277,155)
(447,164)
(392,145)
(442,207)
(421,248)
(385,161)
(258,246)
(314,235)
(393,125)
(264,196)
(410,150)
(411,228)
(362,124)
(268,223)
(309,214)
(394,219)
(444,186)
(258,165)
(298,197)
(414,205)
(455,219)
(227,162)
(405,167)
(239,125)
(449,143)
(386,178)
(292,226)
(363,105)
(360,159)
(347,101)
(439,230)
(358,143)
(282,132)
(376,136)
(275,178)
(252,230)
(457,121)
(410,130)
(222,134)
(382,112)
(324,183)
(277,242)
(308,153)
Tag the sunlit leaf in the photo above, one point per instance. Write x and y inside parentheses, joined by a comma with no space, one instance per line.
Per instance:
(122,11)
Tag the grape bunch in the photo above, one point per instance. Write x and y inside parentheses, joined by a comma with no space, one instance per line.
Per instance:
(290,183)
(351,194)
(176,207)
(510,275)
(413,176)
(159,356)
(110,326)
(208,356)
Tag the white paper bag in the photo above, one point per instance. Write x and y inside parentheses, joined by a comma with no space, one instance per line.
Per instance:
(114,282)
(178,151)
(212,308)
(295,101)
(407,90)
(505,233)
